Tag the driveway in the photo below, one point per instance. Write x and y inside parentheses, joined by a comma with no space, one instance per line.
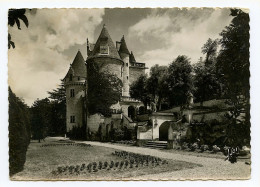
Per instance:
(213,168)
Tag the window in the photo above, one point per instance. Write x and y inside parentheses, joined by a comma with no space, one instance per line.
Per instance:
(72,119)
(72,93)
(127,77)
(104,49)
(121,71)
(78,78)
(70,77)
(126,64)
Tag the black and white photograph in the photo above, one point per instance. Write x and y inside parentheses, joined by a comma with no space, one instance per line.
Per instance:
(123,94)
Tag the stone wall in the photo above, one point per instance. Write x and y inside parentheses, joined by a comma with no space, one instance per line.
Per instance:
(135,73)
(74,105)
(110,65)
(144,135)
(93,122)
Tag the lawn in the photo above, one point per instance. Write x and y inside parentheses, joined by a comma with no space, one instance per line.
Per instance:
(44,160)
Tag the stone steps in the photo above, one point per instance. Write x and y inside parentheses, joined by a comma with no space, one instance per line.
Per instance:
(156,144)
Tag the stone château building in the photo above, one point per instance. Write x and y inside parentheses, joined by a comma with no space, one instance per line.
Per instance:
(114,58)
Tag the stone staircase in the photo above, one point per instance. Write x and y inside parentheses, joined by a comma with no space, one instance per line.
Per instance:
(156,144)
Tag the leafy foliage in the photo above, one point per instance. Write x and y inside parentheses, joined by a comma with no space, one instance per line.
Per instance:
(14,17)
(206,82)
(168,85)
(58,110)
(40,119)
(233,60)
(138,90)
(19,132)
(233,64)
(180,80)
(104,89)
(210,49)
(157,84)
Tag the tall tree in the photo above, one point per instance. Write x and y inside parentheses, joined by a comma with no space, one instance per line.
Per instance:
(157,84)
(206,81)
(40,118)
(233,64)
(210,49)
(14,17)
(58,110)
(138,90)
(19,132)
(104,89)
(180,80)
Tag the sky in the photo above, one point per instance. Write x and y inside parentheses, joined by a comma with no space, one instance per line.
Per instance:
(48,46)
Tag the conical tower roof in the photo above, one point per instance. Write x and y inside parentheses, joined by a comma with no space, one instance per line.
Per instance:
(123,48)
(78,66)
(104,36)
(132,57)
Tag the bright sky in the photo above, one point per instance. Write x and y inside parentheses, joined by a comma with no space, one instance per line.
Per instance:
(156,36)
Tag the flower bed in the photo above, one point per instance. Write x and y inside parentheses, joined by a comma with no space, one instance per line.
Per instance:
(130,161)
(66,144)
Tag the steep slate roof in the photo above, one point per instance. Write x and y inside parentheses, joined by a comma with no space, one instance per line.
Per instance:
(123,48)
(132,57)
(112,49)
(78,66)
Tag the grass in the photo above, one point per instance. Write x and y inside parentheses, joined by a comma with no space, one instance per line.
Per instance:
(41,161)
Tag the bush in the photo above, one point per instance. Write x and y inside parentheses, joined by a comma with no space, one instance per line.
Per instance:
(19,133)
(77,133)
(215,149)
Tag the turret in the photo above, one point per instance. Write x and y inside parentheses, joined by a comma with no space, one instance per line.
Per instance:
(124,54)
(74,82)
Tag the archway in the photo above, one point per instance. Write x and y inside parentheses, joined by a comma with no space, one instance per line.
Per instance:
(131,112)
(163,131)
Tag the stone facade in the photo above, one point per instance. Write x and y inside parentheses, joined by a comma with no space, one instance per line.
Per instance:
(113,59)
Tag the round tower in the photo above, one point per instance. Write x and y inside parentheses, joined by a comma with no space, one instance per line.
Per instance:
(75,86)
(105,55)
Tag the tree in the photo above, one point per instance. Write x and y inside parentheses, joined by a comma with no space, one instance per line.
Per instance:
(19,132)
(104,89)
(40,118)
(179,80)
(58,110)
(157,84)
(210,49)
(233,64)
(233,60)
(206,81)
(138,90)
(14,17)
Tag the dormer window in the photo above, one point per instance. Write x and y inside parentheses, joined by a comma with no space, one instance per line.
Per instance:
(70,77)
(104,49)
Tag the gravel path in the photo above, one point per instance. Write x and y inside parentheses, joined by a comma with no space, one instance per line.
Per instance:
(213,168)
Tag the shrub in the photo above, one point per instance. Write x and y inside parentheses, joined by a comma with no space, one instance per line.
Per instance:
(19,133)
(204,148)
(215,149)
(77,133)
(194,146)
